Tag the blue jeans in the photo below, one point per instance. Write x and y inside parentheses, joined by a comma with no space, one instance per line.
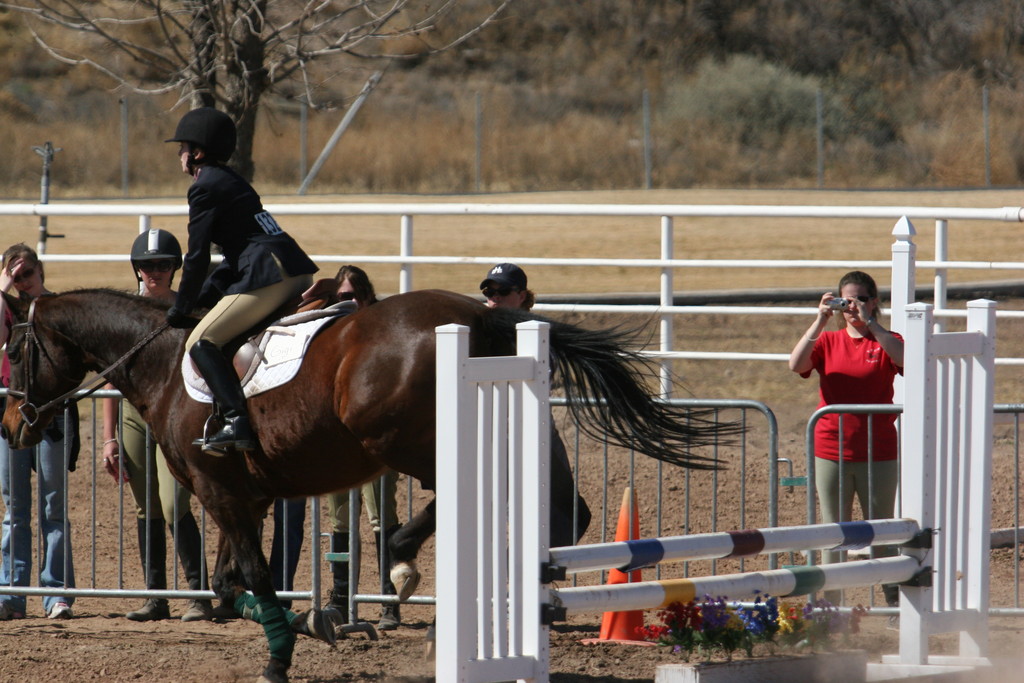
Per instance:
(16,545)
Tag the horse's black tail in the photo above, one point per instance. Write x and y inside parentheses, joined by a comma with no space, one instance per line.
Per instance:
(609,392)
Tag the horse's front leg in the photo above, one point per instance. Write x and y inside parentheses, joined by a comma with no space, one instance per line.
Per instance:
(227,575)
(241,563)
(240,545)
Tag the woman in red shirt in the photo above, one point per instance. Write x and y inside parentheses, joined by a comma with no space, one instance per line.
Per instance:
(856,364)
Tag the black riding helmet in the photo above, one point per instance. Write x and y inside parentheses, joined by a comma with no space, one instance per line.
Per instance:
(209,128)
(155,245)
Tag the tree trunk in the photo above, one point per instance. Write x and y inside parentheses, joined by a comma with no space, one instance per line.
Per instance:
(203,79)
(245,80)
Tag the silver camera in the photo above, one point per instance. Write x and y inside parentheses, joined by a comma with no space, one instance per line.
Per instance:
(838,304)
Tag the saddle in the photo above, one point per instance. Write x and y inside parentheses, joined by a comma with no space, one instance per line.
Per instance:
(273,356)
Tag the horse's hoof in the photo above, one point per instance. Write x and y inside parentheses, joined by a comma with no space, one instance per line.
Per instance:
(360,626)
(318,624)
(276,672)
(406,579)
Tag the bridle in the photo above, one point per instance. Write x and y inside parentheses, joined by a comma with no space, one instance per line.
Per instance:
(31,344)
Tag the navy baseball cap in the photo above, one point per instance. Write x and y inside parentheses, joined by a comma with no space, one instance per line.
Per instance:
(506,275)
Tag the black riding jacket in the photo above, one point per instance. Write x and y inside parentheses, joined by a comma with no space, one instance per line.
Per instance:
(225,210)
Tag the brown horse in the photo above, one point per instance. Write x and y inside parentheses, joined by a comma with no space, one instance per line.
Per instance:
(363,401)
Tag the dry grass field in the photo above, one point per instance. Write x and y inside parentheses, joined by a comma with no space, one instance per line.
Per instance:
(101,645)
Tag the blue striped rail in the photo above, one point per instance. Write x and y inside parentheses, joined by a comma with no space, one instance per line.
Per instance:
(629,555)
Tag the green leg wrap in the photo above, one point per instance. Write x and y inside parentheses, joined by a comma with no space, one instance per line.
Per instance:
(267,611)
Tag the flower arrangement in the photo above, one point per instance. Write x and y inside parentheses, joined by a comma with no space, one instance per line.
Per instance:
(715,626)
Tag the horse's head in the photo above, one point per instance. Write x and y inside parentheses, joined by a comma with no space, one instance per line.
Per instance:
(44,365)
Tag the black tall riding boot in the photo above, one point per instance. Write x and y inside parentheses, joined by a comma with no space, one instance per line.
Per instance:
(390,614)
(190,553)
(220,376)
(155,570)
(339,593)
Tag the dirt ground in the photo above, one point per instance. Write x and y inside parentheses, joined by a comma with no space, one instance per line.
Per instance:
(99,644)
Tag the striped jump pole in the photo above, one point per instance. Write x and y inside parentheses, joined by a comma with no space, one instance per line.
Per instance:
(637,554)
(779,583)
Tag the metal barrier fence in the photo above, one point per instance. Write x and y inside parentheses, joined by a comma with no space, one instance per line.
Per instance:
(1011,536)
(683,502)
(112,571)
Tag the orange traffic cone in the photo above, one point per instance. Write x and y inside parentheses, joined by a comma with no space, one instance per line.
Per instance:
(622,627)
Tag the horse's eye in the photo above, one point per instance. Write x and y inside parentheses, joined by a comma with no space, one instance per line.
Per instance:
(14,353)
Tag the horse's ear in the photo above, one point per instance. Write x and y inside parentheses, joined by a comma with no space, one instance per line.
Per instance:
(17,307)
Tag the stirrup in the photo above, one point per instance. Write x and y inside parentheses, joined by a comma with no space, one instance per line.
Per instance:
(204,441)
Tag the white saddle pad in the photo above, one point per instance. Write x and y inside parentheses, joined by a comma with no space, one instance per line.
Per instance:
(281,356)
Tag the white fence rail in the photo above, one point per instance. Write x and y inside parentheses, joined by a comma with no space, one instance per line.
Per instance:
(904,265)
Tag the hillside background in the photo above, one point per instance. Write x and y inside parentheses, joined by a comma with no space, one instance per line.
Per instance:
(909,93)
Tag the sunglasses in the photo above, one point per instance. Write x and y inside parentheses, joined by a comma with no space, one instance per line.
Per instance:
(346,296)
(490,292)
(24,275)
(863,299)
(162,266)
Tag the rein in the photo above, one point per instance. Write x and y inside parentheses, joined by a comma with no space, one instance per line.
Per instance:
(89,387)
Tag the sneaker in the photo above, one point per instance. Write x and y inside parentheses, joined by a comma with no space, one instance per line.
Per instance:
(198,610)
(60,610)
(7,612)
(151,610)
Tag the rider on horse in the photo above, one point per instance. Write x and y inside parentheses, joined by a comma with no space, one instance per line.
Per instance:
(263,267)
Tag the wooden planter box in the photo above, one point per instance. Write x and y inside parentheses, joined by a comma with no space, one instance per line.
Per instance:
(829,667)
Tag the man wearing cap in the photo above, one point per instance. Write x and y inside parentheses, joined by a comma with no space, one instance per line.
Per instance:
(506,287)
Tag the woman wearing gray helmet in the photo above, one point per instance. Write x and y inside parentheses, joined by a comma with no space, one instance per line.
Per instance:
(263,267)
(136,459)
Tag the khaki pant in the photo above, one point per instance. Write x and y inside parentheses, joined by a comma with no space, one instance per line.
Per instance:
(237,313)
(370,491)
(148,472)
(879,505)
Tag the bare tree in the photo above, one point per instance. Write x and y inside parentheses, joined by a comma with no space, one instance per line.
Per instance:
(230,53)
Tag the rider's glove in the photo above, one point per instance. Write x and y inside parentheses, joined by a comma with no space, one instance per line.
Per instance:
(176,318)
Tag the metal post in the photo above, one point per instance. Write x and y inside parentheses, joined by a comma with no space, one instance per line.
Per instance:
(667,299)
(124,146)
(941,274)
(405,249)
(47,152)
(303,138)
(988,145)
(819,106)
(647,140)
(478,162)
(339,131)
